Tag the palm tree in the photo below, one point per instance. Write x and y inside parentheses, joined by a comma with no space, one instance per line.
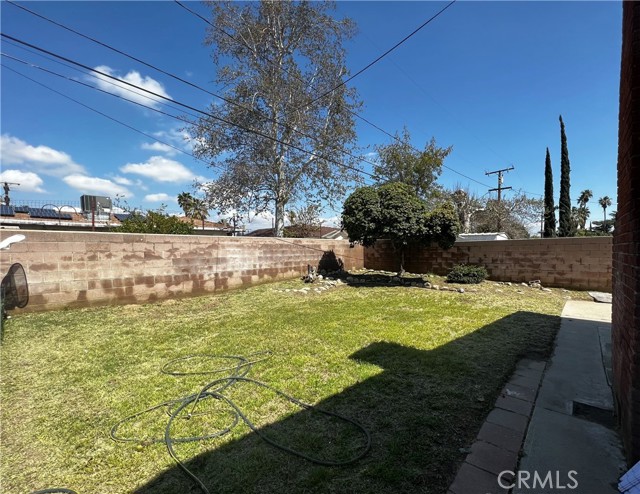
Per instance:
(193,208)
(200,211)
(583,210)
(185,201)
(585,197)
(604,202)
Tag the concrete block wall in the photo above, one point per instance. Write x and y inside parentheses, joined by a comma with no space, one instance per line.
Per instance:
(581,263)
(626,241)
(66,269)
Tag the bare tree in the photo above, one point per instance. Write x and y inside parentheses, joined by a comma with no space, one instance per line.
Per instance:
(274,139)
(516,215)
(467,203)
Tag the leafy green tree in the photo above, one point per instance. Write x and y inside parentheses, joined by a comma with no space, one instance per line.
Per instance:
(549,229)
(154,222)
(564,229)
(399,161)
(274,138)
(393,211)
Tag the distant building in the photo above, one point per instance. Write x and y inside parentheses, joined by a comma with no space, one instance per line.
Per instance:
(69,218)
(475,237)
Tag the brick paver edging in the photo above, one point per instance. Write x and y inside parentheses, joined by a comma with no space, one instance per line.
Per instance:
(497,447)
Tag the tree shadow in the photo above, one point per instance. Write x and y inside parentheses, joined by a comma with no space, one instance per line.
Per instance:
(330,263)
(420,409)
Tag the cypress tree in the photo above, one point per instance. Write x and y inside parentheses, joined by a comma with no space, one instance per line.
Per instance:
(549,206)
(564,227)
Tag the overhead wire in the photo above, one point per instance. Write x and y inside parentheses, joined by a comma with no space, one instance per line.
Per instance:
(104,114)
(189,83)
(360,158)
(211,115)
(376,60)
(353,113)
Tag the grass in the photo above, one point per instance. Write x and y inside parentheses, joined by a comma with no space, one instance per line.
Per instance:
(420,369)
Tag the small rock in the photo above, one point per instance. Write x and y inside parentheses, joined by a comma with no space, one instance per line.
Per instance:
(427,285)
(435,287)
(320,277)
(545,289)
(524,284)
(499,291)
(508,283)
(460,290)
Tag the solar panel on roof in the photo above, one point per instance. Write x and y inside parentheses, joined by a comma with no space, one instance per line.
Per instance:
(6,210)
(21,209)
(43,213)
(121,216)
(65,216)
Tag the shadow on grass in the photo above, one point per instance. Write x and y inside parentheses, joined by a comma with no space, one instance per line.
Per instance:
(420,410)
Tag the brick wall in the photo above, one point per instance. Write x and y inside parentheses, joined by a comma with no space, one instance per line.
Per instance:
(67,269)
(626,241)
(581,263)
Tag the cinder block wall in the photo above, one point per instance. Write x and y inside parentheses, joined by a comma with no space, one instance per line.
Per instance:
(582,263)
(67,269)
(626,240)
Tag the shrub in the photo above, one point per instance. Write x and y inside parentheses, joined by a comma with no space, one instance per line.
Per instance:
(467,273)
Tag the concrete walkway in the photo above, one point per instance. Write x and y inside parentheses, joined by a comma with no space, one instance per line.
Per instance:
(572,427)
(570,442)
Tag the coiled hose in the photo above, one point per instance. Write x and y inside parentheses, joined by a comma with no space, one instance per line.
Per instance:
(215,389)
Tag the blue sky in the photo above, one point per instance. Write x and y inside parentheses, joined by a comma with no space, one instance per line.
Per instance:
(489,78)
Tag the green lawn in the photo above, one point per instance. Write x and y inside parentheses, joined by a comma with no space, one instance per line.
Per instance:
(419,369)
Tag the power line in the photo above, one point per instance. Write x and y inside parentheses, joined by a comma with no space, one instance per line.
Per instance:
(106,115)
(295,76)
(373,62)
(44,69)
(356,115)
(215,117)
(180,79)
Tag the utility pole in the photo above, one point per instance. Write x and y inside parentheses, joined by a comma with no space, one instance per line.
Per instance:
(500,188)
(6,188)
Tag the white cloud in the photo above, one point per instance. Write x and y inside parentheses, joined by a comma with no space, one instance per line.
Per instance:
(42,159)
(95,185)
(29,181)
(160,197)
(159,147)
(129,92)
(160,169)
(177,137)
(122,180)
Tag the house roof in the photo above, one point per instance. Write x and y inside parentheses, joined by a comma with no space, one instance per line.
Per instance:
(26,217)
(322,232)
(472,237)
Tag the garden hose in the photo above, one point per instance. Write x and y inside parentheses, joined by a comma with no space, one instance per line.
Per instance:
(55,490)
(214,389)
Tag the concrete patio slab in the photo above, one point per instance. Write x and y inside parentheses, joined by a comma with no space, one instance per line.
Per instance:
(559,441)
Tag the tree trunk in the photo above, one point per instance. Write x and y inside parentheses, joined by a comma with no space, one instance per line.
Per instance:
(401,261)
(279,222)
